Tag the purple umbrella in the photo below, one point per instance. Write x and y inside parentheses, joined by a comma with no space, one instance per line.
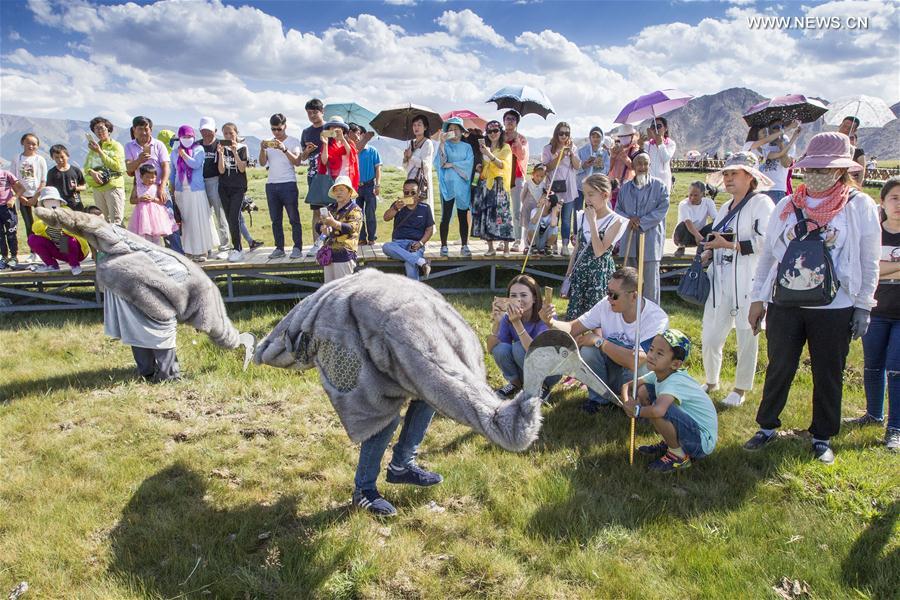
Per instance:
(785,108)
(652,105)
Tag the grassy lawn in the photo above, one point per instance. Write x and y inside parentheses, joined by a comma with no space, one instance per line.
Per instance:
(236,484)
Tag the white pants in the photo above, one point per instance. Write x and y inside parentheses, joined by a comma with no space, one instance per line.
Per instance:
(338,270)
(717,324)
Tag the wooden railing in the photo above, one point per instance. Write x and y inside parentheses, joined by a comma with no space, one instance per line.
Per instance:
(874,177)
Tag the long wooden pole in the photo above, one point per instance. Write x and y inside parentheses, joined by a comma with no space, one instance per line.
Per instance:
(637,335)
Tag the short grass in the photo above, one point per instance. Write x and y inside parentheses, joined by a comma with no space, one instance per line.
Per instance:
(260,224)
(236,484)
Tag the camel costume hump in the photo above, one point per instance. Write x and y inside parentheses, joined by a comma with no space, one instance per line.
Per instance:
(379,340)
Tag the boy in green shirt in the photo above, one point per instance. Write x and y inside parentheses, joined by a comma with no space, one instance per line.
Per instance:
(675,404)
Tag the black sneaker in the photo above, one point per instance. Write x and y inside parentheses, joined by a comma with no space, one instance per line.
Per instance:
(759,439)
(866,419)
(823,453)
(373,502)
(507,391)
(2,263)
(413,475)
(679,252)
(655,450)
(545,393)
(255,244)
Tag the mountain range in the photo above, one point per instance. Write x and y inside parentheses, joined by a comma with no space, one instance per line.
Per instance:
(710,124)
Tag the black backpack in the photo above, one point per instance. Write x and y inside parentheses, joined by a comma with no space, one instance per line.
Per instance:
(805,275)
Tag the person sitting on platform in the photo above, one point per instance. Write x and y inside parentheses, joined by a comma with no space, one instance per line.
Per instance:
(52,243)
(693,214)
(514,328)
(611,327)
(675,404)
(413,227)
(544,219)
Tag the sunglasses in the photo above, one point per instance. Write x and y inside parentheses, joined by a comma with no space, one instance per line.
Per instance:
(408,193)
(277,128)
(563,134)
(492,131)
(616,295)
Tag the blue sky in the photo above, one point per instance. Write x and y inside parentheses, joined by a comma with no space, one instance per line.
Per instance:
(177,59)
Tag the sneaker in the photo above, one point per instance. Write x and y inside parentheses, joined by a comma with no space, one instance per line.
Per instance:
(565,250)
(424,271)
(710,387)
(298,252)
(12,263)
(464,251)
(2,263)
(515,246)
(823,453)
(362,243)
(892,439)
(236,256)
(733,399)
(679,252)
(866,419)
(255,244)
(759,439)
(277,253)
(656,450)
(669,463)
(77,270)
(445,251)
(33,258)
(373,502)
(199,258)
(222,255)
(44,269)
(413,475)
(507,391)
(312,249)
(545,393)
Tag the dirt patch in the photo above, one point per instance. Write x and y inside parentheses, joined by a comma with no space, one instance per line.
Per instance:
(252,432)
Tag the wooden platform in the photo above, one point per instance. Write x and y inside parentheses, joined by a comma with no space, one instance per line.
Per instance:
(258,278)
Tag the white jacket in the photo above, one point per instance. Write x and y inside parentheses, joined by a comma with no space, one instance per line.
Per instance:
(734,281)
(858,268)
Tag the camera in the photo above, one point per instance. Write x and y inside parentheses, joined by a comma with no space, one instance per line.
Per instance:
(227,143)
(248,206)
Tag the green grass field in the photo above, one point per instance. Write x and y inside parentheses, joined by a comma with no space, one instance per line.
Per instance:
(236,484)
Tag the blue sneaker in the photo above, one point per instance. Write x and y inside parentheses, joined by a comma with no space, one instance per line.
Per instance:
(373,502)
(413,475)
(656,450)
(669,463)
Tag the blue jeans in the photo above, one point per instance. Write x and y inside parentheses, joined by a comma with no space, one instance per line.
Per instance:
(541,239)
(566,217)
(612,373)
(418,417)
(579,205)
(367,202)
(511,360)
(173,240)
(881,357)
(399,249)
(284,196)
(775,195)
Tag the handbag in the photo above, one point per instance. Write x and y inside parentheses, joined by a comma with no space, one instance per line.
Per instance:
(559,186)
(318,190)
(695,285)
(805,275)
(421,178)
(323,256)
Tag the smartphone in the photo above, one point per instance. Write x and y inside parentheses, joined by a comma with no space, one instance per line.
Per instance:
(226,143)
(450,135)
(329,133)
(408,200)
(548,294)
(502,302)
(270,144)
(323,212)
(89,137)
(481,142)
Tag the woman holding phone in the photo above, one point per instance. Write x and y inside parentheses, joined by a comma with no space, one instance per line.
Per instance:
(563,164)
(491,210)
(732,250)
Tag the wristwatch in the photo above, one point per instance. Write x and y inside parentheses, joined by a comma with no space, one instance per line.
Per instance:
(598,343)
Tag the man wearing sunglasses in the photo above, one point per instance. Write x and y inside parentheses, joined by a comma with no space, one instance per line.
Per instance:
(607,334)
(282,154)
(413,227)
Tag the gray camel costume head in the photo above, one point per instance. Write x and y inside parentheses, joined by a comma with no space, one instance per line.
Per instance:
(378,340)
(159,282)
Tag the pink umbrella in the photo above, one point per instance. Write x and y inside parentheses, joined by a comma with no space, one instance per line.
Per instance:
(652,105)
(470,119)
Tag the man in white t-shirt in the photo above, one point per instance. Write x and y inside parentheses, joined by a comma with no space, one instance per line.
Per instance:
(281,154)
(693,214)
(778,156)
(607,334)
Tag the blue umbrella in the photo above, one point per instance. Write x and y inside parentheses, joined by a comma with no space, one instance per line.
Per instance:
(524,99)
(351,112)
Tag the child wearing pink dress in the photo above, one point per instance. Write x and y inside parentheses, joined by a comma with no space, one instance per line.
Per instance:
(150,219)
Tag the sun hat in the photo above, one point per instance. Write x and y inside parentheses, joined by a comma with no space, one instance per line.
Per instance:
(454,121)
(829,150)
(49,193)
(336,122)
(625,131)
(344,181)
(744,161)
(207,123)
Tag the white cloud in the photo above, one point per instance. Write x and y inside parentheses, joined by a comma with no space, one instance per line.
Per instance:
(467,24)
(401,2)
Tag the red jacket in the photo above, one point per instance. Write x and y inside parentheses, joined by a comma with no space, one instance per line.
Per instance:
(336,159)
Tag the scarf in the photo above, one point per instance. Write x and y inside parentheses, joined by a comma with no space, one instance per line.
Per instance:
(183,170)
(336,161)
(834,201)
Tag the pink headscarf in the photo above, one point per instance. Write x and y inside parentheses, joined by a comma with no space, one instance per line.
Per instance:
(182,169)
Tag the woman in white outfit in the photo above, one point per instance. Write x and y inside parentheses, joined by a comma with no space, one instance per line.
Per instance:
(732,252)
(419,156)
